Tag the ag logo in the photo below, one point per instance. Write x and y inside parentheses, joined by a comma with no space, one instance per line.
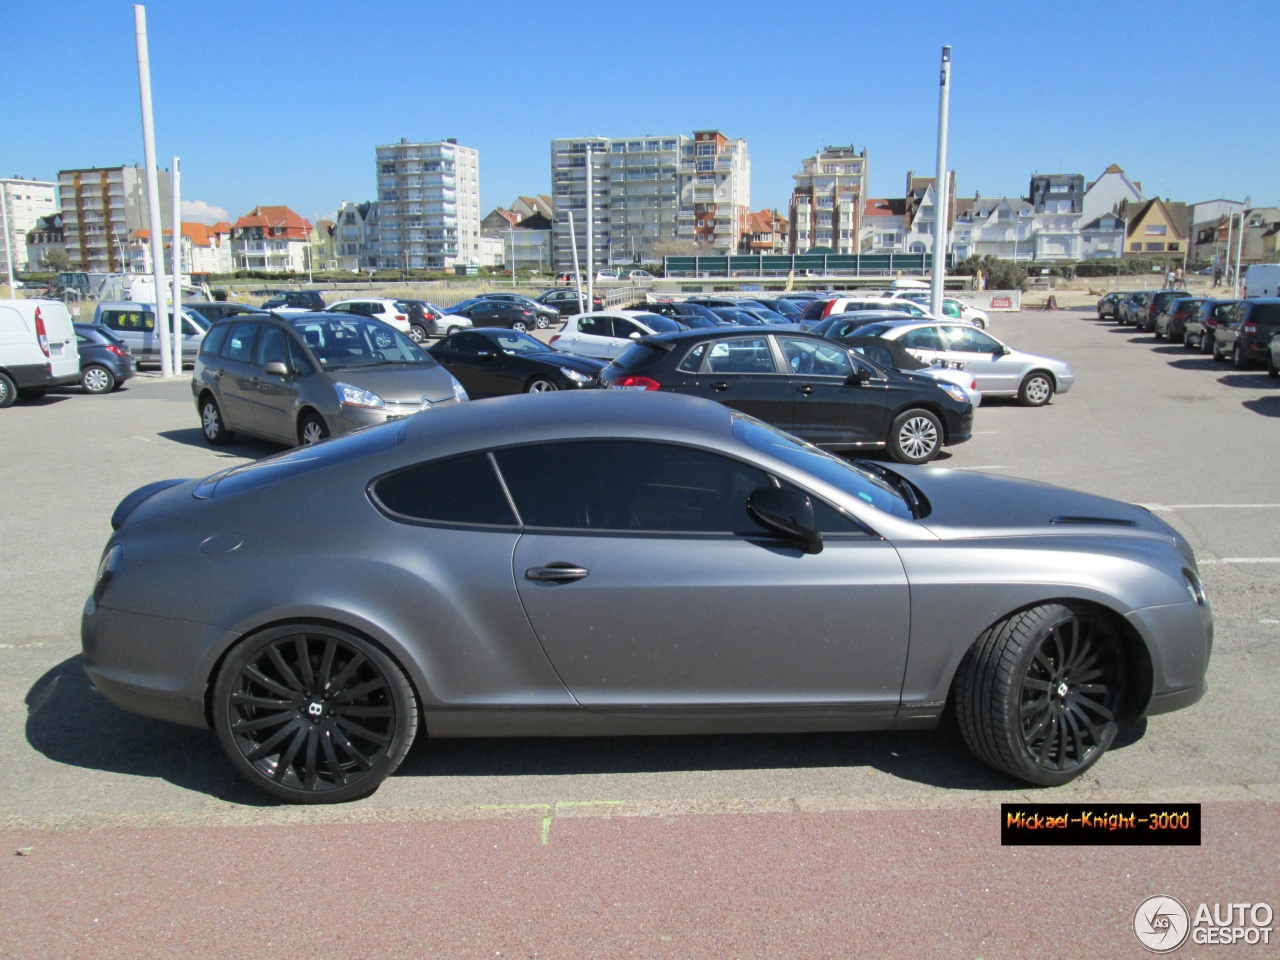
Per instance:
(1161,924)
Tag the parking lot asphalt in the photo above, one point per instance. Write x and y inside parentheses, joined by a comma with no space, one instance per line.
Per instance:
(1146,422)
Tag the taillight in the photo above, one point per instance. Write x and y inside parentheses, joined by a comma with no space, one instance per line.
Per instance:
(553,339)
(41,334)
(1248,328)
(826,311)
(635,383)
(112,348)
(402,317)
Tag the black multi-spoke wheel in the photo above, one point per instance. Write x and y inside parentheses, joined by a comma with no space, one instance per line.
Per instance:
(1041,693)
(313,714)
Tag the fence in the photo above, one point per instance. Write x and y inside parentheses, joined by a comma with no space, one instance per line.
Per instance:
(781,265)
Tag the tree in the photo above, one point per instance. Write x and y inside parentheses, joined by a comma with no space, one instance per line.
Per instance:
(55,260)
(998,274)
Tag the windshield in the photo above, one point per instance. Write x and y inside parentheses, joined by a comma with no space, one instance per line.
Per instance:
(856,481)
(516,344)
(348,340)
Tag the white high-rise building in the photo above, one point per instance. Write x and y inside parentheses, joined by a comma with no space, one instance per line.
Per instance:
(25,202)
(652,196)
(428,205)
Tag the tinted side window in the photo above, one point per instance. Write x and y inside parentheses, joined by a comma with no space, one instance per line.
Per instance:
(596,326)
(635,486)
(270,346)
(211,346)
(240,341)
(460,490)
(298,361)
(926,338)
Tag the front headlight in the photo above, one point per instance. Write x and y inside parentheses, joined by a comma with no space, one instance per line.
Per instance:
(955,392)
(349,395)
(575,376)
(459,393)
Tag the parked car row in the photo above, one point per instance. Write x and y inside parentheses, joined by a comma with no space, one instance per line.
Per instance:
(1245,332)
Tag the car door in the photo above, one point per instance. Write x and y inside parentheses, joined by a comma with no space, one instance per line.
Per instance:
(829,407)
(473,359)
(742,372)
(654,595)
(274,394)
(590,336)
(924,343)
(235,376)
(983,355)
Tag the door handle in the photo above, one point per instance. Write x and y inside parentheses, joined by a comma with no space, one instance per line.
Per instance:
(556,573)
(719,385)
(806,389)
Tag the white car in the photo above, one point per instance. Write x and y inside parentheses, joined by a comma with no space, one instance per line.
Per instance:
(604,334)
(952,309)
(825,307)
(1000,370)
(450,322)
(388,311)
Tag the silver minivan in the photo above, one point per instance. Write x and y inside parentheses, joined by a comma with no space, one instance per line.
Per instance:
(135,324)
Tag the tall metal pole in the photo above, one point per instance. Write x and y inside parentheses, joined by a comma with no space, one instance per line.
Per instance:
(8,233)
(153,188)
(1238,289)
(940,219)
(177,268)
(584,307)
(591,269)
(1226,261)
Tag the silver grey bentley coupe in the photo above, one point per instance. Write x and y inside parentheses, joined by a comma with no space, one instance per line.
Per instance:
(613,563)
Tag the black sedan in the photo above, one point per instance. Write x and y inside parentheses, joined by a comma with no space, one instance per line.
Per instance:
(491,362)
(105,360)
(838,326)
(808,385)
(567,302)
(496,313)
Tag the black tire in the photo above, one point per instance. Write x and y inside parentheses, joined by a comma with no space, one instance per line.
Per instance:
(1040,694)
(97,379)
(311,429)
(915,437)
(1036,389)
(211,422)
(313,714)
(417,333)
(1238,359)
(519,326)
(540,385)
(1206,342)
(8,391)
(541,322)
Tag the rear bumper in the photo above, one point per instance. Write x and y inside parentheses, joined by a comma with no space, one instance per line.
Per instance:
(40,376)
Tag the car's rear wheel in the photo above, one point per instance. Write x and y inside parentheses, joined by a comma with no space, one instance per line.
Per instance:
(540,385)
(1040,694)
(311,429)
(1036,389)
(417,333)
(8,391)
(915,437)
(97,379)
(520,326)
(313,714)
(211,422)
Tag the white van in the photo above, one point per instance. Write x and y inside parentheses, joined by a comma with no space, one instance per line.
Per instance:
(1262,280)
(37,349)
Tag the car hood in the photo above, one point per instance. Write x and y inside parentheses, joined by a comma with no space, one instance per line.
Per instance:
(964,504)
(405,382)
(587,365)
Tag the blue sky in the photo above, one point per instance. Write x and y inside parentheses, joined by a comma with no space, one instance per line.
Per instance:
(283,102)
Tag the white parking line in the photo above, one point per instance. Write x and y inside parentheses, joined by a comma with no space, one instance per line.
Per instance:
(1243,560)
(1210,506)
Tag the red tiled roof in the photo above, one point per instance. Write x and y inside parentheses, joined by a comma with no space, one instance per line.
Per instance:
(281,221)
(200,234)
(883,207)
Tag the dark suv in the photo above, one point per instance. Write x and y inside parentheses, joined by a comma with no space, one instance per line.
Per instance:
(1171,322)
(1246,340)
(1146,317)
(817,389)
(295,300)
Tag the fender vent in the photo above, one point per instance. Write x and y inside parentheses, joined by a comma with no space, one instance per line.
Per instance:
(1110,521)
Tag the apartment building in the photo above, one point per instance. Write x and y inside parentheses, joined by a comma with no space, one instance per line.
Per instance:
(827,201)
(1058,202)
(651,196)
(24,203)
(428,204)
(205,249)
(101,208)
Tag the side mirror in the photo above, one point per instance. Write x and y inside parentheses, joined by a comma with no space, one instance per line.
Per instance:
(484,355)
(276,368)
(1003,351)
(635,335)
(788,514)
(857,378)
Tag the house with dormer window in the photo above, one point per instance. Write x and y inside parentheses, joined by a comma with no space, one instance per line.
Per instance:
(273,239)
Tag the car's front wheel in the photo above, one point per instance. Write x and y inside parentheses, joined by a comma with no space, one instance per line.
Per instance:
(540,385)
(97,379)
(8,391)
(311,429)
(915,437)
(1036,389)
(542,322)
(313,714)
(1040,694)
(211,423)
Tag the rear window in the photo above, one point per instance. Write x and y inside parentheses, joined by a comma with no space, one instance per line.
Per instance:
(638,356)
(1268,313)
(460,490)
